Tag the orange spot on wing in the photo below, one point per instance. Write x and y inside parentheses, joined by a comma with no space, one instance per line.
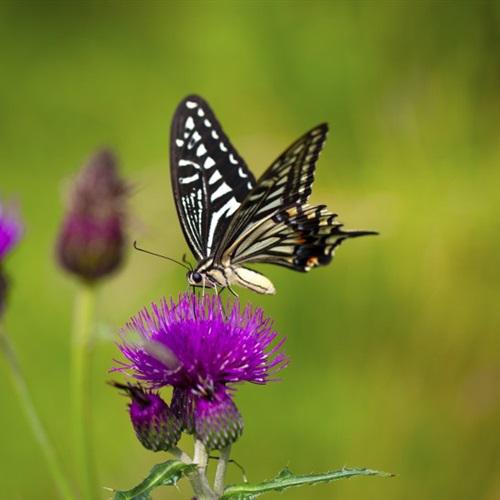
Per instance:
(312,261)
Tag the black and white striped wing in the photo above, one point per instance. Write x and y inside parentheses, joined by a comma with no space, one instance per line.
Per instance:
(300,237)
(209,178)
(286,183)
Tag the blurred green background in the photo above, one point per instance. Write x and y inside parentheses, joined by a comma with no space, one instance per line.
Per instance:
(395,347)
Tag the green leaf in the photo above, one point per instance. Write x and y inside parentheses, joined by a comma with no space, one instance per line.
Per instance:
(287,479)
(164,474)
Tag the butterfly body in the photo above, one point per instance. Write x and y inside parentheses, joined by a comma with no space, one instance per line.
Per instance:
(230,220)
(208,274)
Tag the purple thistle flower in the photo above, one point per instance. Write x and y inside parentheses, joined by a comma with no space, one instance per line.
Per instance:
(202,352)
(11,229)
(155,425)
(91,242)
(206,347)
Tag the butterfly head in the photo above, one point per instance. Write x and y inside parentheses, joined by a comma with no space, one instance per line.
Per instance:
(195,278)
(207,275)
(201,279)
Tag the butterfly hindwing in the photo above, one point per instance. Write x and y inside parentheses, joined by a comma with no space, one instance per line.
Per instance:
(287,182)
(209,177)
(300,237)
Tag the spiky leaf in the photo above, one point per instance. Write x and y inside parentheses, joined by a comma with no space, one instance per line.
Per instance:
(164,474)
(287,479)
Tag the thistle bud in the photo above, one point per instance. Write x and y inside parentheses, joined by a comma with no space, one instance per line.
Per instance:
(91,242)
(218,423)
(155,425)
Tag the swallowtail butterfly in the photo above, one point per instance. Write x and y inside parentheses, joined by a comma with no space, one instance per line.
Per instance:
(230,220)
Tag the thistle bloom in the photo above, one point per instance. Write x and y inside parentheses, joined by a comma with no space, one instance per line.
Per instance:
(10,229)
(155,424)
(203,352)
(91,242)
(10,232)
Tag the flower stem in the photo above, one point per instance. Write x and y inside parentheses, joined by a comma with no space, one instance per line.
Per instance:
(37,427)
(198,479)
(220,472)
(81,415)
(181,455)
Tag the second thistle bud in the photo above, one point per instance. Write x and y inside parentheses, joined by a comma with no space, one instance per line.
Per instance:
(218,423)
(155,425)
(92,239)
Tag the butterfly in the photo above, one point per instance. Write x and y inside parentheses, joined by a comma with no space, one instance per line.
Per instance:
(229,219)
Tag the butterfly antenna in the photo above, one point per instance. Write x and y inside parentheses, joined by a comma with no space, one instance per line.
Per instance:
(162,256)
(184,259)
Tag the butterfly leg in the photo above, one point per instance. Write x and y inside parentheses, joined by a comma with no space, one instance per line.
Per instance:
(193,289)
(218,292)
(232,291)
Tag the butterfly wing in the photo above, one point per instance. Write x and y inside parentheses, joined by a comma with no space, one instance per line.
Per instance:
(276,225)
(209,178)
(300,237)
(287,182)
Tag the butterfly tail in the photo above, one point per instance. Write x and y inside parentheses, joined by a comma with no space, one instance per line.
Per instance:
(298,237)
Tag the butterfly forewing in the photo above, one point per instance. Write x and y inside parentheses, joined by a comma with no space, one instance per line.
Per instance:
(209,178)
(285,183)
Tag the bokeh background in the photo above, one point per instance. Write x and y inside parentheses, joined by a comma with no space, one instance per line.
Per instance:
(395,347)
